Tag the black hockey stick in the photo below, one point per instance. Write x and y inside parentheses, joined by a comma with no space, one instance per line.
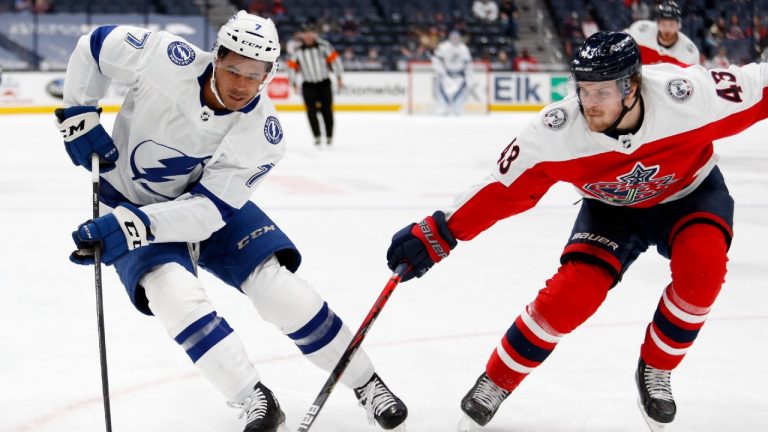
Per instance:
(99,298)
(346,357)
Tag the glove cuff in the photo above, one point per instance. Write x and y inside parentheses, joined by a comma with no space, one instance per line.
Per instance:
(442,226)
(75,126)
(135,225)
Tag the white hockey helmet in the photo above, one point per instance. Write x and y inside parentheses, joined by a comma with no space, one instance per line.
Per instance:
(250,36)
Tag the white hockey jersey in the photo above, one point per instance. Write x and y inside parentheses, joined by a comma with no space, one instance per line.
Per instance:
(451,59)
(188,167)
(669,156)
(684,52)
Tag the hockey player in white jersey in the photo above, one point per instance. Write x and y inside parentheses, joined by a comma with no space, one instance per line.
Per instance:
(661,41)
(637,144)
(194,137)
(452,63)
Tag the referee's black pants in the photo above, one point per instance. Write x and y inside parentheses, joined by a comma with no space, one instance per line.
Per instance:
(319,96)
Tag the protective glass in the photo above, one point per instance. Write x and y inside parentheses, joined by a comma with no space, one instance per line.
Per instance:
(599,93)
(254,70)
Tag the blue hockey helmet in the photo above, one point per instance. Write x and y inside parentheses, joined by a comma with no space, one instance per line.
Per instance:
(607,56)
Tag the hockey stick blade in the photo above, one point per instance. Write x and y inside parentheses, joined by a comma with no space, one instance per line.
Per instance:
(346,357)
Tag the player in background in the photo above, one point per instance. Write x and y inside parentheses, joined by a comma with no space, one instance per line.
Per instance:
(195,135)
(453,66)
(636,143)
(661,41)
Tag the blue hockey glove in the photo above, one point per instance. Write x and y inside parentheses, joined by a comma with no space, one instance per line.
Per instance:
(125,229)
(83,135)
(421,245)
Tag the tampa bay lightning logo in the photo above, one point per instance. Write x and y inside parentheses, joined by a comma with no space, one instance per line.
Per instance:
(181,53)
(272,130)
(631,188)
(165,171)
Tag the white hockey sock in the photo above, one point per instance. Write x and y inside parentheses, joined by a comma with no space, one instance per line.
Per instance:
(178,300)
(293,306)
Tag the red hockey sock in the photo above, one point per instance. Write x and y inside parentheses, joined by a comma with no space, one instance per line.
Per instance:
(572,295)
(699,256)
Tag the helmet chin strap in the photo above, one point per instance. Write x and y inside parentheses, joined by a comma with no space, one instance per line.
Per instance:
(624,110)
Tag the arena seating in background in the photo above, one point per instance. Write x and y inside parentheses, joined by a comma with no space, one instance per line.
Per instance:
(397,30)
(699,16)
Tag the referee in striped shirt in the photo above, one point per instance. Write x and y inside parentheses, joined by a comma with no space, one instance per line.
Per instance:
(315,59)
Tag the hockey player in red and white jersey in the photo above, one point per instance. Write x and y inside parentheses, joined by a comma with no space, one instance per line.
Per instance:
(661,41)
(195,135)
(636,143)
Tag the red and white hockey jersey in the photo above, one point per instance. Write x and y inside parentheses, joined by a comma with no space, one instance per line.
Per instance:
(684,52)
(667,158)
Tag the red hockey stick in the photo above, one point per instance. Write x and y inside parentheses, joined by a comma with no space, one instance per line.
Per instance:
(325,392)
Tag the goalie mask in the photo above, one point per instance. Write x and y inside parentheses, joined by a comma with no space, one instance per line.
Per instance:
(253,38)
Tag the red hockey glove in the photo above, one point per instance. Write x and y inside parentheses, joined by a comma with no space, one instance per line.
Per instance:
(421,245)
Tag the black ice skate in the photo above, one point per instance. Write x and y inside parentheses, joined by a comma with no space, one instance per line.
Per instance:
(262,411)
(381,404)
(481,402)
(655,400)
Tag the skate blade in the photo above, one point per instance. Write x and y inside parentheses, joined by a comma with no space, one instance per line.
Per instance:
(653,425)
(466,424)
(399,428)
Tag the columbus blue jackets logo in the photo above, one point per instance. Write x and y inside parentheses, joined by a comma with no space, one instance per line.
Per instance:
(272,130)
(634,187)
(679,89)
(181,53)
(165,171)
(555,118)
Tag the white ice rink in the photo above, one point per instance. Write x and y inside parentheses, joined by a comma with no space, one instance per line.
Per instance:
(341,206)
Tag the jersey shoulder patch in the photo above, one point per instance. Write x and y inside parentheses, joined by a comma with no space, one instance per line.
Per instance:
(273,132)
(679,89)
(180,53)
(555,118)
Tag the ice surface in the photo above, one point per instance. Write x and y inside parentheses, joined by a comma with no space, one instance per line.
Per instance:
(341,206)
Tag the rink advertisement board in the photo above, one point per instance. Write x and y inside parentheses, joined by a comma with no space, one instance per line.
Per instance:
(513,91)
(41,92)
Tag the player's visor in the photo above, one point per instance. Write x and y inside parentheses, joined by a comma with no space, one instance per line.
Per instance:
(598,93)
(251,69)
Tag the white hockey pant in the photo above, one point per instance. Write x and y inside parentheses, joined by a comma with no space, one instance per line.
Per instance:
(178,300)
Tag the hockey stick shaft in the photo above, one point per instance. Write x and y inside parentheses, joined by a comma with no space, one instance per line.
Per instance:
(99,298)
(346,357)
